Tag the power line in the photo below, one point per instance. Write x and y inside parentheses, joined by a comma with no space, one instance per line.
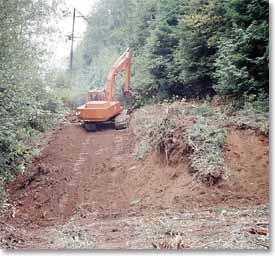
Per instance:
(81,15)
(72,36)
(72,44)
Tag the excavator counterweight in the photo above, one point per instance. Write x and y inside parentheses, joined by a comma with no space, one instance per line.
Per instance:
(100,106)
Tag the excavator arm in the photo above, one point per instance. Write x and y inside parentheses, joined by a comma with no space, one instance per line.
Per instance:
(122,63)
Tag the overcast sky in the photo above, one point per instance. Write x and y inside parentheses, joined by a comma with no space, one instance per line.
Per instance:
(62,45)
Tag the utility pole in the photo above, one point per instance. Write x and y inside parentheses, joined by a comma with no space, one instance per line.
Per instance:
(72,37)
(72,44)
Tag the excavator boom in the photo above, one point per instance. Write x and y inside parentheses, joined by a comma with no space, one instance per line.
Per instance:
(122,63)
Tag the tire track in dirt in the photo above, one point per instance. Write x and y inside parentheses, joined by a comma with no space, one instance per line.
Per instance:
(88,174)
(103,172)
(79,162)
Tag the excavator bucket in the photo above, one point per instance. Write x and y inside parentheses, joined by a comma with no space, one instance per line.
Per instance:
(127,95)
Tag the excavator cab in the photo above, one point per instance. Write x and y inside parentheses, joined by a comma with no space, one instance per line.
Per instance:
(96,95)
(100,95)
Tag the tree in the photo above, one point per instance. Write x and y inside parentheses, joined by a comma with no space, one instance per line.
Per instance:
(189,48)
(242,59)
(25,102)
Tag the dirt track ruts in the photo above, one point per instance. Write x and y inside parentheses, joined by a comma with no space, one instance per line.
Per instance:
(80,174)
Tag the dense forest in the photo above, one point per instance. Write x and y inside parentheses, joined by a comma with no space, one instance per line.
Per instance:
(186,49)
(191,49)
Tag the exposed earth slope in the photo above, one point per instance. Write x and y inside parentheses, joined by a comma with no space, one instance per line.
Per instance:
(86,190)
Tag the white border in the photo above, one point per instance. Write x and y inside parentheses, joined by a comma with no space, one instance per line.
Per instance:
(191,252)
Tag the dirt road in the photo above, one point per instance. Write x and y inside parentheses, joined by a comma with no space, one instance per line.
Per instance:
(86,190)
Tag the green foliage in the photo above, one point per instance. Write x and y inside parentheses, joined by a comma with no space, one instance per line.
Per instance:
(188,48)
(242,58)
(28,105)
(254,114)
(199,28)
(257,104)
(2,193)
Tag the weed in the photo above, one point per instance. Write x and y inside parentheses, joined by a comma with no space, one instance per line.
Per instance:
(250,119)
(2,193)
(142,150)
(176,242)
(207,161)
(143,124)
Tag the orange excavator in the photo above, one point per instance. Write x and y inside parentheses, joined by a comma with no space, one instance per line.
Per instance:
(100,107)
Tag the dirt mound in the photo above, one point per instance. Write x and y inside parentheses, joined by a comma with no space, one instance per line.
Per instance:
(98,172)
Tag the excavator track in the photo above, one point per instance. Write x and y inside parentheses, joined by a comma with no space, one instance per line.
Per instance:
(122,120)
(89,126)
(119,122)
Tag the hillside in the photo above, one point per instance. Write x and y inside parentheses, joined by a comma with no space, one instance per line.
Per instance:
(88,190)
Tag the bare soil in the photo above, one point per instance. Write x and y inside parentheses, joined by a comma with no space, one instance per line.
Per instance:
(87,190)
